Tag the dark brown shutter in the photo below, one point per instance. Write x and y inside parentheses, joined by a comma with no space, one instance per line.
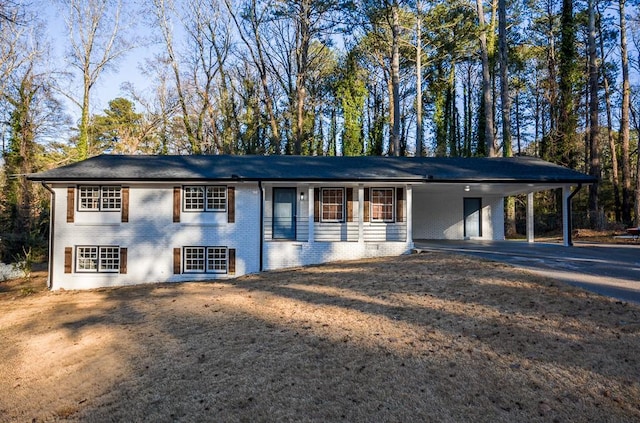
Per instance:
(232,261)
(125,204)
(316,204)
(70,204)
(231,204)
(123,261)
(176,261)
(68,257)
(176,204)
(367,207)
(399,204)
(349,204)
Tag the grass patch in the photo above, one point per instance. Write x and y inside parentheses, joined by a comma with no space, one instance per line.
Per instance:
(429,337)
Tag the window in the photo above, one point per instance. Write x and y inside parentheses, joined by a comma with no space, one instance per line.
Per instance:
(332,204)
(382,204)
(98,259)
(194,259)
(96,198)
(205,259)
(205,198)
(217,259)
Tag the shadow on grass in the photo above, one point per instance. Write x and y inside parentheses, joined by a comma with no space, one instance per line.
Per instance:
(415,338)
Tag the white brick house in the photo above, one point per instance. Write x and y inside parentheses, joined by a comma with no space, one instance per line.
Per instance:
(122,220)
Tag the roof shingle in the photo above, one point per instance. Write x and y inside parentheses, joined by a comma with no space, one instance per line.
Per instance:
(294,168)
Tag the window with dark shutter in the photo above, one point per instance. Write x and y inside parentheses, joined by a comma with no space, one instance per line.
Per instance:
(70,204)
(232,261)
(316,205)
(400,205)
(176,261)
(231,204)
(125,205)
(349,204)
(367,206)
(123,260)
(176,204)
(68,259)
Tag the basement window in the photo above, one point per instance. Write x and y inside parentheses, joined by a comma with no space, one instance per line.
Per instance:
(93,258)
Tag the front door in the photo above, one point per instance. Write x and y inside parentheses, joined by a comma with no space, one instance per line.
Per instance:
(472,218)
(284,213)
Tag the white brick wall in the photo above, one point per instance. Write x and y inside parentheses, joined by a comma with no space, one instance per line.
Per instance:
(440,215)
(150,236)
(282,254)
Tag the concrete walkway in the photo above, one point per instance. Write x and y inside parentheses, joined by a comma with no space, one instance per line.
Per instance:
(611,270)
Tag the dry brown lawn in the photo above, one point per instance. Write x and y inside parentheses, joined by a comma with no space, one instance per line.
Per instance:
(427,337)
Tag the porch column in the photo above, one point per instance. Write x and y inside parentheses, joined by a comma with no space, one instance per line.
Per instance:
(311,214)
(566,217)
(360,213)
(530,218)
(409,215)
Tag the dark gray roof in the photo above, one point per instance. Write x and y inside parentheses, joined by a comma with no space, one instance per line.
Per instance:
(305,168)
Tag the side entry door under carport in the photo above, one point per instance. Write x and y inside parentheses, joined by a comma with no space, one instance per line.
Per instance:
(472,218)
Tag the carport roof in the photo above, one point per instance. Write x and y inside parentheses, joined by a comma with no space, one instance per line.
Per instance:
(306,168)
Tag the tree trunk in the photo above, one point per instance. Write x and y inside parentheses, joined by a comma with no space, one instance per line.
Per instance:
(624,120)
(420,150)
(395,79)
(594,159)
(486,85)
(504,79)
(303,37)
(612,142)
(83,133)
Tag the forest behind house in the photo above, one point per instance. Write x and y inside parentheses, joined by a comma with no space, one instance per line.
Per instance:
(555,79)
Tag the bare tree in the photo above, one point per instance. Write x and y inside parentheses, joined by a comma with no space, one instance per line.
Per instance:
(249,30)
(97,40)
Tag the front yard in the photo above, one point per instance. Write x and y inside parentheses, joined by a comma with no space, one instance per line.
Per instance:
(429,337)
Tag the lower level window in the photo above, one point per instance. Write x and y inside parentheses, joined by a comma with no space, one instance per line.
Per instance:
(94,258)
(205,259)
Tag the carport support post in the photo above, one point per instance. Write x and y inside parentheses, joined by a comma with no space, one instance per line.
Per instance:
(566,216)
(530,218)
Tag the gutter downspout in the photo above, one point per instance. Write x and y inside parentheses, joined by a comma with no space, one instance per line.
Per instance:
(261,223)
(52,219)
(569,224)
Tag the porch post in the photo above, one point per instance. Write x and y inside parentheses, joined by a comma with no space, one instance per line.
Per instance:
(409,215)
(530,218)
(566,217)
(311,214)
(360,213)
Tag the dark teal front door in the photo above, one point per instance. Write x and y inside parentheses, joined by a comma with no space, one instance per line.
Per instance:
(284,213)
(472,217)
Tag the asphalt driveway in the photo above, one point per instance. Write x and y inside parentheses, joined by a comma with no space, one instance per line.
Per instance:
(611,270)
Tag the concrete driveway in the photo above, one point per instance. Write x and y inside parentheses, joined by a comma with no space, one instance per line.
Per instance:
(611,270)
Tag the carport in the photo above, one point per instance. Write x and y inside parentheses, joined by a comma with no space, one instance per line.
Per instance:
(464,199)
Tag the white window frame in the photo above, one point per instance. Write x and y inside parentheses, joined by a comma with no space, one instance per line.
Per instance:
(103,198)
(208,261)
(217,259)
(213,198)
(342,206)
(104,259)
(392,205)
(190,258)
